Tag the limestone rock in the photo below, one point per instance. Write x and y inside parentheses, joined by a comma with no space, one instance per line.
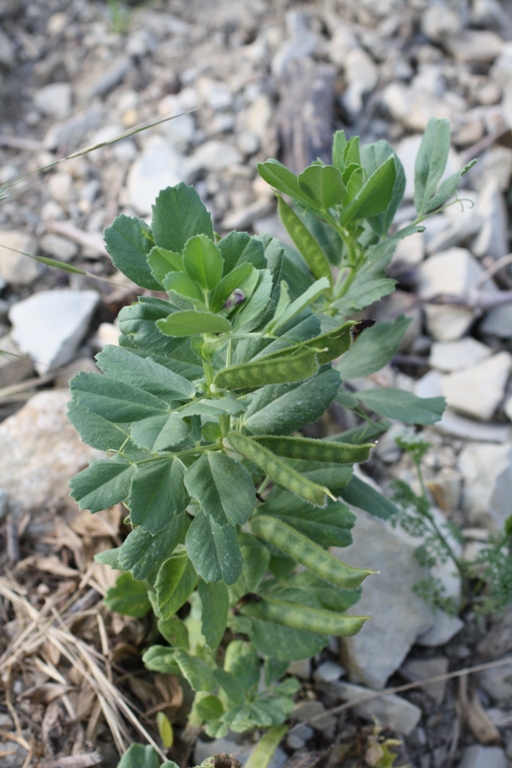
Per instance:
(398,615)
(483,757)
(361,75)
(14,366)
(44,452)
(69,134)
(422,669)
(58,247)
(487,473)
(50,325)
(492,239)
(14,267)
(497,682)
(212,156)
(477,390)
(453,424)
(444,628)
(498,322)
(391,711)
(476,46)
(453,355)
(498,640)
(438,22)
(415,108)
(54,100)
(157,167)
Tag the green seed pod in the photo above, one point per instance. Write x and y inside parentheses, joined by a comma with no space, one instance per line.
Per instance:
(303,617)
(315,450)
(306,244)
(278,470)
(274,371)
(328,346)
(307,553)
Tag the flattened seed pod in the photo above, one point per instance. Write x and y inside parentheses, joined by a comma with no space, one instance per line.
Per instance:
(328,346)
(303,617)
(315,450)
(274,371)
(307,553)
(278,470)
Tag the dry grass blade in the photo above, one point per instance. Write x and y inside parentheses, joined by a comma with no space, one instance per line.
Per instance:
(73,761)
(90,664)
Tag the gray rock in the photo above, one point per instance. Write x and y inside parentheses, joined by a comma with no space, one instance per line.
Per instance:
(179,130)
(14,365)
(497,682)
(429,385)
(214,93)
(244,217)
(69,134)
(483,757)
(298,737)
(507,408)
(315,714)
(60,187)
(159,166)
(492,212)
(477,390)
(498,640)
(58,247)
(302,44)
(50,325)
(328,672)
(415,108)
(487,473)
(445,627)
(475,46)
(7,51)
(54,100)
(390,711)
(341,44)
(111,77)
(361,75)
(451,356)
(423,669)
(212,156)
(410,250)
(44,452)
(258,118)
(491,15)
(438,22)
(248,143)
(380,648)
(498,322)
(300,669)
(14,267)
(495,165)
(457,426)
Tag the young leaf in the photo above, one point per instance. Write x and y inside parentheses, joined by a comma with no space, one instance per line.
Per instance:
(128,597)
(279,177)
(165,730)
(142,553)
(179,214)
(306,244)
(308,297)
(184,286)
(239,248)
(361,495)
(174,631)
(158,433)
(262,753)
(214,550)
(373,349)
(129,242)
(323,185)
(160,658)
(251,311)
(339,145)
(175,583)
(227,285)
(102,484)
(397,404)
(161,262)
(203,261)
(209,708)
(372,157)
(192,323)
(196,671)
(374,197)
(214,611)
(223,488)
(157,494)
(430,162)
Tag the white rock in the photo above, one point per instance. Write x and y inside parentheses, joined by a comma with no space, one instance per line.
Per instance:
(498,322)
(453,355)
(243,217)
(415,108)
(483,757)
(423,669)
(54,100)
(328,672)
(361,75)
(159,166)
(60,187)
(497,682)
(248,143)
(492,211)
(457,426)
(495,165)
(300,669)
(14,366)
(487,473)
(107,333)
(477,390)
(341,44)
(214,93)
(70,133)
(477,46)
(14,267)
(439,22)
(390,711)
(410,250)
(314,711)
(445,627)
(58,247)
(50,325)
(44,452)
(429,385)
(380,648)
(258,117)
(212,156)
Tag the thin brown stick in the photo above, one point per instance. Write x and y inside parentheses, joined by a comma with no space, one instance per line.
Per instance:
(496,266)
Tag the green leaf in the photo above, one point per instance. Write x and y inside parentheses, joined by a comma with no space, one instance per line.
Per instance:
(372,157)
(214,613)
(196,671)
(448,188)
(161,262)
(160,658)
(430,162)
(239,248)
(138,756)
(262,753)
(174,631)
(129,597)
(109,557)
(323,185)
(374,196)
(191,323)
(361,495)
(279,177)
(227,285)
(178,215)
(114,400)
(329,527)
(142,553)
(214,550)
(283,408)
(175,583)
(157,494)
(242,662)
(352,153)
(158,433)
(125,366)
(129,242)
(203,261)
(185,287)
(102,484)
(306,244)
(397,404)
(251,311)
(256,558)
(213,408)
(223,488)
(339,146)
(373,349)
(165,730)
(209,708)
(94,430)
(295,307)
(285,643)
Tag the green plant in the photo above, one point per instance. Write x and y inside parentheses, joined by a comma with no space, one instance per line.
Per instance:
(486,583)
(199,408)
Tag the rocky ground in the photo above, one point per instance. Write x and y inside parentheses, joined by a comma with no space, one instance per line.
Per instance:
(74,73)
